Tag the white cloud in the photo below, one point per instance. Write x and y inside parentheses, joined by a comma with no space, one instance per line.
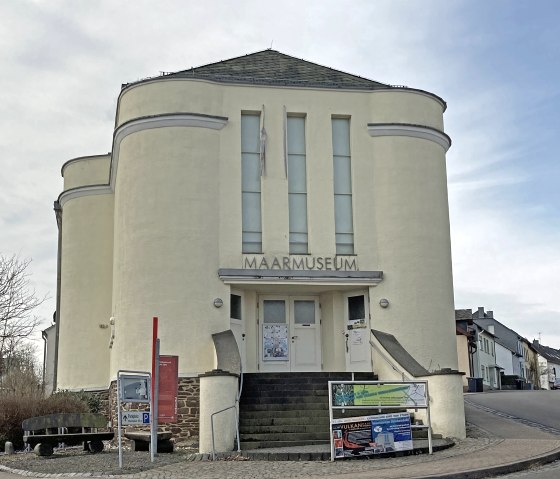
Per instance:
(63,62)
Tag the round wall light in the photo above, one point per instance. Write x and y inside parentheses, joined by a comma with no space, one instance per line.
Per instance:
(218,303)
(383,302)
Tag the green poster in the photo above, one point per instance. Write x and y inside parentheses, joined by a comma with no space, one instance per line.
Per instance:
(388,394)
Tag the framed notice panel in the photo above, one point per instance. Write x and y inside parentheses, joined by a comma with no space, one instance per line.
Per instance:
(134,388)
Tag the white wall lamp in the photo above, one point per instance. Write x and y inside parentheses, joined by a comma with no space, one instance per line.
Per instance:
(218,303)
(384,303)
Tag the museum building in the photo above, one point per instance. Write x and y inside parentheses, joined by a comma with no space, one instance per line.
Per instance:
(303,208)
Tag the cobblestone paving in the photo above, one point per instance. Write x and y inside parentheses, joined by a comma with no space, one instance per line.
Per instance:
(74,460)
(178,465)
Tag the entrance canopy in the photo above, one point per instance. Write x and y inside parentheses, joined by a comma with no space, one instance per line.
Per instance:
(341,279)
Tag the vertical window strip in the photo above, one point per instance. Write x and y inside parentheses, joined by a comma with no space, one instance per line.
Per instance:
(297,185)
(251,184)
(342,174)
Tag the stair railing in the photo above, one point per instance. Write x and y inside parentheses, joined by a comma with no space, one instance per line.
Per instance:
(234,407)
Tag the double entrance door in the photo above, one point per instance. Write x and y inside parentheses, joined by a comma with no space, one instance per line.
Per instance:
(289,333)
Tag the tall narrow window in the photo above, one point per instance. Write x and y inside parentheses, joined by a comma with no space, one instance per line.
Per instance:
(344,226)
(251,184)
(297,185)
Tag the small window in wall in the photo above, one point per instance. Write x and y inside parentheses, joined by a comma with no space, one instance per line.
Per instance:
(356,307)
(342,177)
(235,306)
(297,185)
(251,184)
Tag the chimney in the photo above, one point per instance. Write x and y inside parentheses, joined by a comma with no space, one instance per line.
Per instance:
(480,312)
(490,314)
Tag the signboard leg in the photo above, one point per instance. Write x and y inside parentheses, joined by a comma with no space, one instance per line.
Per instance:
(119,420)
(155,398)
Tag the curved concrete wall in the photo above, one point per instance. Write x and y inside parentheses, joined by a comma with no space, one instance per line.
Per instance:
(86,283)
(85,171)
(413,248)
(166,247)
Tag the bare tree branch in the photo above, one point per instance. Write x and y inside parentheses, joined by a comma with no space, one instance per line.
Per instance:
(18,301)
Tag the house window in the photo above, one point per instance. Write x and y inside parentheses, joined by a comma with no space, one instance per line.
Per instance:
(344,226)
(297,185)
(235,306)
(356,307)
(251,184)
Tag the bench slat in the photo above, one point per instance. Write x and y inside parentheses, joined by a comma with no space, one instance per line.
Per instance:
(64,420)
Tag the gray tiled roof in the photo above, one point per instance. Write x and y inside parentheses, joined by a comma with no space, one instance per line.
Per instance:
(270,67)
(550,354)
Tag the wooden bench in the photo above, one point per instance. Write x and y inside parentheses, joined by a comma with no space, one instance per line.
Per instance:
(141,440)
(43,433)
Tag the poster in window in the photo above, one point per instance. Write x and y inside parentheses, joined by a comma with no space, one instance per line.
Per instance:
(275,342)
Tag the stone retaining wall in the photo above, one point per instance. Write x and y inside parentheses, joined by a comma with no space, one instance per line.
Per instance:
(185,430)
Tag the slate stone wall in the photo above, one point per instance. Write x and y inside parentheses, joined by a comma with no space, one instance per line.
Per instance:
(185,430)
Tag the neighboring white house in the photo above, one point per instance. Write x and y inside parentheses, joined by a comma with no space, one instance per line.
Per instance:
(486,358)
(505,358)
(551,370)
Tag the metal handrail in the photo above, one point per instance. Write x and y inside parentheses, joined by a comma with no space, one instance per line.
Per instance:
(238,397)
(388,361)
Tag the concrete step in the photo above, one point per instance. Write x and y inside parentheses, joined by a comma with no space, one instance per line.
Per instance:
(320,420)
(286,399)
(287,406)
(287,412)
(284,429)
(283,388)
(296,436)
(247,445)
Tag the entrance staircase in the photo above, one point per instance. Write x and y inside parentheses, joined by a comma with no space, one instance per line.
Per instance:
(287,409)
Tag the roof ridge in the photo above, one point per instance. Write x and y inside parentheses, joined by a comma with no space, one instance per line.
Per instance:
(304,72)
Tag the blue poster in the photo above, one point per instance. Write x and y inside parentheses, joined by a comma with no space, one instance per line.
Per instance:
(370,435)
(391,432)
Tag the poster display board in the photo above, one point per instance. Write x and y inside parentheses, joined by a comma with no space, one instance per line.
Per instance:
(275,342)
(380,433)
(167,380)
(370,435)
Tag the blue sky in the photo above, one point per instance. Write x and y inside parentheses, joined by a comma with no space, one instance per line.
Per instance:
(496,63)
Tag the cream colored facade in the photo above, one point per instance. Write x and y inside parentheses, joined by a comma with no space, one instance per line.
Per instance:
(155,229)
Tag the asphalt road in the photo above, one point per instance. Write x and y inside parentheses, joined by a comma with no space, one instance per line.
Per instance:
(538,409)
(533,407)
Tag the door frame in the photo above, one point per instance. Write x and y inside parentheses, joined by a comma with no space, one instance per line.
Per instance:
(288,365)
(352,336)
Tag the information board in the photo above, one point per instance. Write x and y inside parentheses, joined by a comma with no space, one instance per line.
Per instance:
(370,435)
(168,379)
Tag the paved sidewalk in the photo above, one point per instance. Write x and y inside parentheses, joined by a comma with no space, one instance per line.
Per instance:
(483,454)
